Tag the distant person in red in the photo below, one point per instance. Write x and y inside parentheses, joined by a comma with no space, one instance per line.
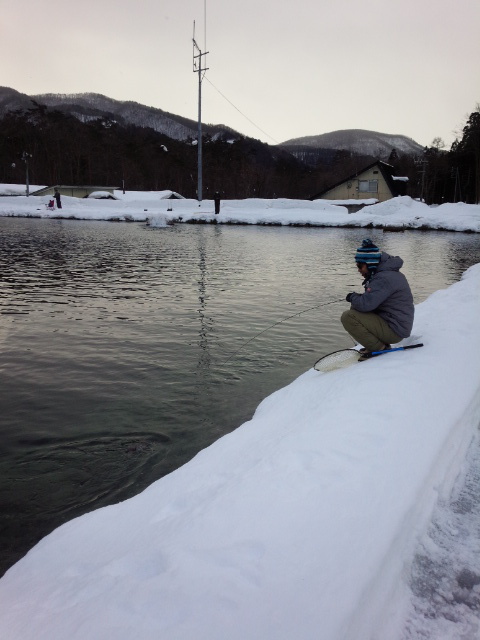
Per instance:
(56,195)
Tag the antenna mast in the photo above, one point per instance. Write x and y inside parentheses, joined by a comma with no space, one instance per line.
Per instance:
(200,69)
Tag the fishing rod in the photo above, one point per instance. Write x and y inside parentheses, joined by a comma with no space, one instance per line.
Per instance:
(317,306)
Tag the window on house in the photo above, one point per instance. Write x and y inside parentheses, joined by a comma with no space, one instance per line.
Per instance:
(368,186)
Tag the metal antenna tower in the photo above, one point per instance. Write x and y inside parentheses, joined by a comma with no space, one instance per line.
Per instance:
(200,69)
(422,163)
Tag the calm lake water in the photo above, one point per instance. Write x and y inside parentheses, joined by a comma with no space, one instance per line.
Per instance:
(125,350)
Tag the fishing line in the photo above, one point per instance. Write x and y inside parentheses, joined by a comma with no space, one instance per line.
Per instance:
(323,304)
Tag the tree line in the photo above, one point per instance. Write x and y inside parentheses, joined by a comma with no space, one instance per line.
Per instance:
(65,150)
(103,152)
(439,176)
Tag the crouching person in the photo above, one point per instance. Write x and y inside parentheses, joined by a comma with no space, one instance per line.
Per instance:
(383,314)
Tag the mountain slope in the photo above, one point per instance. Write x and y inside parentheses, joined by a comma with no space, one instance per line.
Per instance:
(12,100)
(361,141)
(88,106)
(95,106)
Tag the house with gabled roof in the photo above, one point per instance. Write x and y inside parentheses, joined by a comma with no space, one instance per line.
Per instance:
(101,192)
(75,191)
(375,182)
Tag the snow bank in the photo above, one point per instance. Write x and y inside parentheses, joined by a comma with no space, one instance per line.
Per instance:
(300,524)
(101,195)
(400,213)
(156,208)
(148,195)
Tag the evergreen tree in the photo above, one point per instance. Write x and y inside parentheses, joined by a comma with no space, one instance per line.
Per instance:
(468,153)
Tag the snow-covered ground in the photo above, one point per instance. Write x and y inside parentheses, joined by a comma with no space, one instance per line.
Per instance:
(401,212)
(445,577)
(311,520)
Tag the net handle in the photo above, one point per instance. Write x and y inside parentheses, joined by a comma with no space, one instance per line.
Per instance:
(379,353)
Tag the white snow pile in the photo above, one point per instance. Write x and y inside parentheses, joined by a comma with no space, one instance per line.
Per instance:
(102,195)
(354,201)
(165,194)
(402,212)
(302,523)
(162,207)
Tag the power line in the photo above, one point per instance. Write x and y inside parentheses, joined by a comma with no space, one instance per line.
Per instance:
(241,113)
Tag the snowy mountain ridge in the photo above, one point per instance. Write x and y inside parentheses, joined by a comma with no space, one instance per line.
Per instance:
(90,106)
(361,141)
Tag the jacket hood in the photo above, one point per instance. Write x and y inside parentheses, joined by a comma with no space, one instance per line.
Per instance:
(389,263)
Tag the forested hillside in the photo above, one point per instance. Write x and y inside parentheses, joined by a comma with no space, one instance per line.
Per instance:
(101,151)
(65,150)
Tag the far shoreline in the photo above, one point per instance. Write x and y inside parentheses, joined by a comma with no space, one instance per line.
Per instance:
(215,221)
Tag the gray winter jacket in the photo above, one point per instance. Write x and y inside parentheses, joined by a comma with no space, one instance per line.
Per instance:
(388,293)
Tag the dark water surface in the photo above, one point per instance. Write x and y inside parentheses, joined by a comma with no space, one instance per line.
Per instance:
(116,346)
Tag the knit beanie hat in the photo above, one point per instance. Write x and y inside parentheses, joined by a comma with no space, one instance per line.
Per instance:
(369,254)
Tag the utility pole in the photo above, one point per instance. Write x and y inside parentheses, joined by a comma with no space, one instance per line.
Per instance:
(422,162)
(200,69)
(25,157)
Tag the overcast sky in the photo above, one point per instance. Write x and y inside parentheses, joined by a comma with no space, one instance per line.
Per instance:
(278,69)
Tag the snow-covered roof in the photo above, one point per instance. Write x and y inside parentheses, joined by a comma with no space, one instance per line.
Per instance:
(102,195)
(17,189)
(166,194)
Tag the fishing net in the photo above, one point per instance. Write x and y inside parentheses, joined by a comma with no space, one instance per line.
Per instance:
(337,360)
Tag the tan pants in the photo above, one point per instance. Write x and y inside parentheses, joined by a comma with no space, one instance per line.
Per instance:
(369,329)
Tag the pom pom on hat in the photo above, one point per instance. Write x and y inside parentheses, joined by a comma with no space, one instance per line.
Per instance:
(369,254)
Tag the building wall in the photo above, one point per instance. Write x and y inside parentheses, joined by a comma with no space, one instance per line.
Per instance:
(75,192)
(350,190)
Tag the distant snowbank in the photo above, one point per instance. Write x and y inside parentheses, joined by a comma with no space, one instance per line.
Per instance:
(302,523)
(400,213)
(166,194)
(158,210)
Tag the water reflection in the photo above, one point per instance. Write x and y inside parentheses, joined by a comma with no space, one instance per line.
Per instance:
(206,322)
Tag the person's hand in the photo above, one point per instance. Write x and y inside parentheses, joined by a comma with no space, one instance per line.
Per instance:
(349,296)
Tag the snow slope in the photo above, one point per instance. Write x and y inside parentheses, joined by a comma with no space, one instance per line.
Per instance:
(302,523)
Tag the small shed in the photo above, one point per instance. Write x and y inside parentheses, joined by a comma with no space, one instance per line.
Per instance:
(374,181)
(79,191)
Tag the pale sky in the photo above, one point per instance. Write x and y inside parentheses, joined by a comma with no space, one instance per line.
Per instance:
(291,68)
